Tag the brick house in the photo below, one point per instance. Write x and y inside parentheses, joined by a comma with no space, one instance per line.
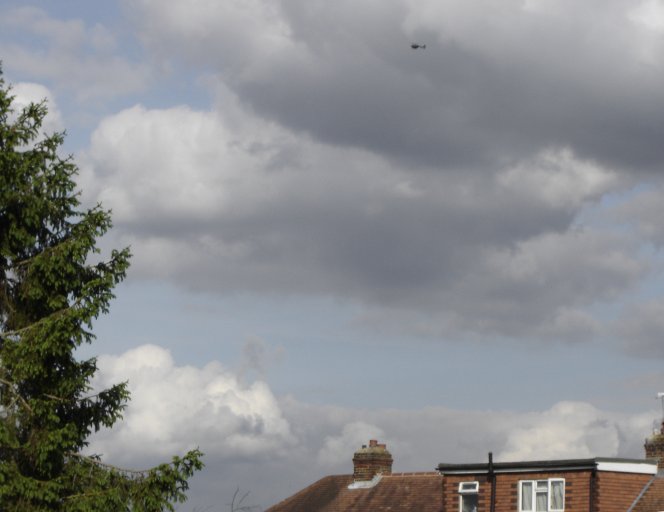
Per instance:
(574,485)
(593,485)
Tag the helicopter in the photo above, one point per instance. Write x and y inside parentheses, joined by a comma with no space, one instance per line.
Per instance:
(416,46)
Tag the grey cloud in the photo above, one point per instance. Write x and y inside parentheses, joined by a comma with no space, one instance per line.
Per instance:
(538,290)
(482,92)
(441,187)
(494,253)
(480,272)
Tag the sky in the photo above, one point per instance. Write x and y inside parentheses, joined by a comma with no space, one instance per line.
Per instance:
(337,238)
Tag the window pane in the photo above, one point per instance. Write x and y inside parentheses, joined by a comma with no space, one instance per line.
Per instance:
(469,503)
(557,495)
(541,504)
(526,496)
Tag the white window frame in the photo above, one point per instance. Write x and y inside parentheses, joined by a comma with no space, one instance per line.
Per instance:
(467,488)
(474,489)
(549,494)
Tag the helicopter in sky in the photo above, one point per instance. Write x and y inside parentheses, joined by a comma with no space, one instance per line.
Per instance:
(416,46)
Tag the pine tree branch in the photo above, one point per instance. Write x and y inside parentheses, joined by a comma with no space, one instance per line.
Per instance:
(10,386)
(51,316)
(17,395)
(88,494)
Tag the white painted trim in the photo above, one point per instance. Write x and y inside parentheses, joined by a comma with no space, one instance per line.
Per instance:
(475,489)
(534,469)
(628,467)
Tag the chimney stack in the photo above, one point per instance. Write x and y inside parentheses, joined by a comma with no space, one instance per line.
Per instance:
(655,447)
(371,460)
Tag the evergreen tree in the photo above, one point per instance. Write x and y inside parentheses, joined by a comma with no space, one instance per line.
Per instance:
(50,293)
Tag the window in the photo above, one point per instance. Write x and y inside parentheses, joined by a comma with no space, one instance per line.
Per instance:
(468,496)
(542,495)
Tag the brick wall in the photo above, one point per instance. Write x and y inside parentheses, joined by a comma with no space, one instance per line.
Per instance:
(617,491)
(613,492)
(577,490)
(451,492)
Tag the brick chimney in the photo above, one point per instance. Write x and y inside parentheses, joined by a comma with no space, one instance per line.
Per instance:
(371,460)
(655,447)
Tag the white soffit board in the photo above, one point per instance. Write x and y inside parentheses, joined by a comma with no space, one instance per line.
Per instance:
(628,467)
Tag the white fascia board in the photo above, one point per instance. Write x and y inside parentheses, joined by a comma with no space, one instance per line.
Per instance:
(628,467)
(533,469)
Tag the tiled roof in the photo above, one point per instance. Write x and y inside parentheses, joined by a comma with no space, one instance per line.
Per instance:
(653,499)
(398,492)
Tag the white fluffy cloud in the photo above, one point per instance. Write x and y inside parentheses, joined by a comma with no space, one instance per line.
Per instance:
(567,430)
(177,166)
(176,408)
(576,430)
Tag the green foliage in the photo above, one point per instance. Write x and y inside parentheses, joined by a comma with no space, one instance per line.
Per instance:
(50,293)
